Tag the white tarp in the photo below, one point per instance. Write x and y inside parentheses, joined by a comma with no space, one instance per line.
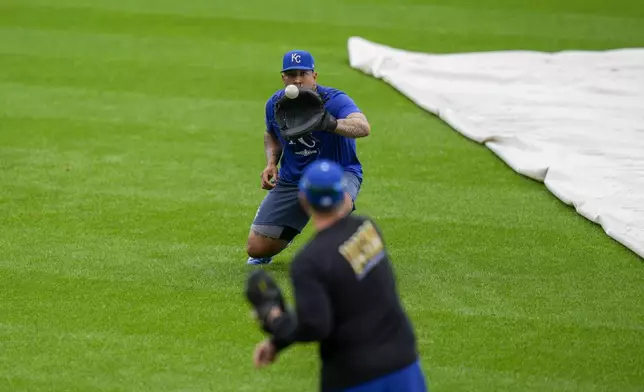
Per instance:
(573,120)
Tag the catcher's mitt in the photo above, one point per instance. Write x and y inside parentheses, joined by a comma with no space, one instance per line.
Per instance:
(302,115)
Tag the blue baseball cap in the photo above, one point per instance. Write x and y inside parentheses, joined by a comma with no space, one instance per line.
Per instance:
(298,59)
(323,184)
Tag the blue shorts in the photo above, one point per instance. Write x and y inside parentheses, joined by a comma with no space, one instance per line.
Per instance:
(281,208)
(409,379)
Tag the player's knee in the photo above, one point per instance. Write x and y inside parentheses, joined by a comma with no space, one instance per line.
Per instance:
(255,251)
(256,248)
(264,245)
(261,246)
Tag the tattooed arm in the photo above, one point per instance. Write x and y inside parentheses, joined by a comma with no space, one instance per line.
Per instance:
(354,126)
(272,149)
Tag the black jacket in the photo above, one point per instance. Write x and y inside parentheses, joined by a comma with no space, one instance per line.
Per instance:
(346,298)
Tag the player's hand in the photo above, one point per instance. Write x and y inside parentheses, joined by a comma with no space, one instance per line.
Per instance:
(269,173)
(265,354)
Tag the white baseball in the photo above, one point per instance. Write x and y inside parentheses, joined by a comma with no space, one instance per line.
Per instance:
(292,91)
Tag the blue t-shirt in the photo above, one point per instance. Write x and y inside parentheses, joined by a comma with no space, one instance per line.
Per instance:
(297,154)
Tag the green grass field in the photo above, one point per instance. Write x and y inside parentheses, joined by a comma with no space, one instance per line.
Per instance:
(130,153)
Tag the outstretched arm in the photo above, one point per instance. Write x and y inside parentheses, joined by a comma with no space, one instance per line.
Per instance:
(312,318)
(354,126)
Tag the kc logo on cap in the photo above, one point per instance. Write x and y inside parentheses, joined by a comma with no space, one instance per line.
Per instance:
(298,59)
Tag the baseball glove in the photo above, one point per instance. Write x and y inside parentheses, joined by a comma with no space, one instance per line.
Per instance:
(302,115)
(263,293)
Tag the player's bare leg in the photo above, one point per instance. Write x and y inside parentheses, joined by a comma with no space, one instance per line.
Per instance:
(263,246)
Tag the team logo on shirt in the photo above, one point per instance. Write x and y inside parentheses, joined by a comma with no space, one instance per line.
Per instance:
(364,250)
(305,146)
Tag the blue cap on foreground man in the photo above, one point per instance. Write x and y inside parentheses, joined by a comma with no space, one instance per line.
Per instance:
(322,185)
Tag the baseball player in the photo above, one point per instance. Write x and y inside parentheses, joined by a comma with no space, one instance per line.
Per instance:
(345,298)
(321,122)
